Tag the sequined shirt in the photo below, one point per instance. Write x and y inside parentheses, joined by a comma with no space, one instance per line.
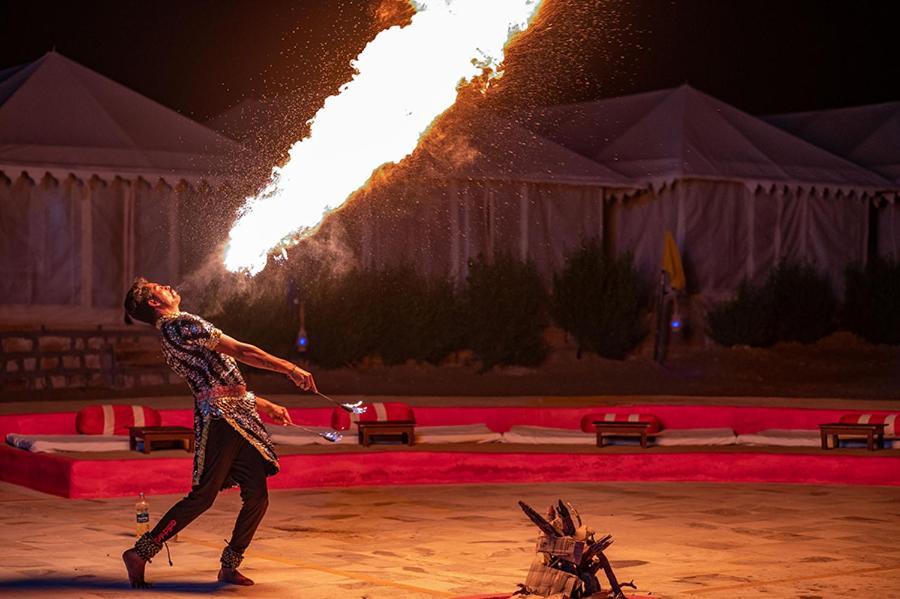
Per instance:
(189,347)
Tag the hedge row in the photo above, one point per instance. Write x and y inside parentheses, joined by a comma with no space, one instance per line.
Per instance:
(872,302)
(396,314)
(503,308)
(796,303)
(500,313)
(601,302)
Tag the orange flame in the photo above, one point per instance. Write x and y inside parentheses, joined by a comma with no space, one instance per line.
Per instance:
(405,78)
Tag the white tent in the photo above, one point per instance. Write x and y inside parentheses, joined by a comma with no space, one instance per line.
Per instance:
(867,135)
(482,187)
(91,177)
(740,195)
(479,185)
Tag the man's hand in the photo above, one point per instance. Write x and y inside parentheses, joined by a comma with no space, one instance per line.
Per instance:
(303,379)
(277,413)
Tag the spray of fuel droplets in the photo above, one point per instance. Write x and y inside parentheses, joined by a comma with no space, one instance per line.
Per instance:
(405,78)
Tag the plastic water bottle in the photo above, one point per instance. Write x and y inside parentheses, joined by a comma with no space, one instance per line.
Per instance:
(142,516)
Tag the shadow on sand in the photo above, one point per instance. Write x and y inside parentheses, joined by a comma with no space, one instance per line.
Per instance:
(97,583)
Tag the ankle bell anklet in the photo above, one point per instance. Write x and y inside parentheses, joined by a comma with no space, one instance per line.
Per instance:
(146,547)
(231,558)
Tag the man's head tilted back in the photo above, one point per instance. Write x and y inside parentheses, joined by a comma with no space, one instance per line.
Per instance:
(146,300)
(137,302)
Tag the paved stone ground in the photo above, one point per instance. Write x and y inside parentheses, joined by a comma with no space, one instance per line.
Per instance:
(673,539)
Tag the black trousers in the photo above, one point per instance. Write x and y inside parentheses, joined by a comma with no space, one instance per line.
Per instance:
(228,455)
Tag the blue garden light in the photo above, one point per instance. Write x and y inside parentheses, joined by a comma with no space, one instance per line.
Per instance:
(302,343)
(676,324)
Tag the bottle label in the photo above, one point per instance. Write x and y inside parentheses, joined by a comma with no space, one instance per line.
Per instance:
(143,518)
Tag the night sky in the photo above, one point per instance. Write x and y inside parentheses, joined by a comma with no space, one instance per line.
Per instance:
(202,56)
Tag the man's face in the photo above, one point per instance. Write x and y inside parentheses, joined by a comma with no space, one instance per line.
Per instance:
(164,297)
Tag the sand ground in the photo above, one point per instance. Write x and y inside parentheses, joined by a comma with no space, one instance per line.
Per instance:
(672,539)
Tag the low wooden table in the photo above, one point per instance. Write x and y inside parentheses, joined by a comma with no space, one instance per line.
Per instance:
(622,429)
(387,431)
(153,435)
(870,431)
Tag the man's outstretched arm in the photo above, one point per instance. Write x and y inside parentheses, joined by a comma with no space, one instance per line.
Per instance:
(253,356)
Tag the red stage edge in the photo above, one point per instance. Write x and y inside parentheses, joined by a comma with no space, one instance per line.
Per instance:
(94,478)
(84,479)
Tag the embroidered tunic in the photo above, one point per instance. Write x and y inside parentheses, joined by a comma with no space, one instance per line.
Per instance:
(188,345)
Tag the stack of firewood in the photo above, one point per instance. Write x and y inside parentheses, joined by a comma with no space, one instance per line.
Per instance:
(567,558)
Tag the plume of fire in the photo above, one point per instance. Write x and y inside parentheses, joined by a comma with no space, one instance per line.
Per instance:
(405,78)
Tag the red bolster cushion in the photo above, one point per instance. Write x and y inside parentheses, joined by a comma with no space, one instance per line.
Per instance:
(889,420)
(375,412)
(114,420)
(587,423)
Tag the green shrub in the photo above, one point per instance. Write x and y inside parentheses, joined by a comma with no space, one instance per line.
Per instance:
(339,320)
(505,312)
(414,317)
(745,320)
(872,301)
(795,303)
(804,303)
(256,312)
(600,301)
(395,313)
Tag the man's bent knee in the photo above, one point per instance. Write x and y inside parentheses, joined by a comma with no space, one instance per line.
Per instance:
(261,500)
(258,500)
(201,498)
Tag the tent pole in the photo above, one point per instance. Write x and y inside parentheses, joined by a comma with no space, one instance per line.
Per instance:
(779,207)
(87,244)
(601,224)
(751,233)
(173,234)
(366,250)
(489,209)
(804,224)
(454,231)
(870,231)
(680,223)
(523,223)
(128,234)
(466,218)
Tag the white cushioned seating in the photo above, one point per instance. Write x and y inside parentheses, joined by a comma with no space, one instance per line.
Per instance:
(673,437)
(544,435)
(53,443)
(432,435)
(782,437)
(461,433)
(541,435)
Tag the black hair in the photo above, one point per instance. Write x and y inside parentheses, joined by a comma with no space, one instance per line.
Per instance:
(137,303)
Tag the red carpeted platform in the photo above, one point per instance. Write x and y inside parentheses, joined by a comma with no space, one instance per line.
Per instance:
(88,476)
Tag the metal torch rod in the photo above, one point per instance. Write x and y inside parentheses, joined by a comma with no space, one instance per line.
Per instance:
(332,436)
(353,408)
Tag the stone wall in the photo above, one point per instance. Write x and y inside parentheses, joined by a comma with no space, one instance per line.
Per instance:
(62,359)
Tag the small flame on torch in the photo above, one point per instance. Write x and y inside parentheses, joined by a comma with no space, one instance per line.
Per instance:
(405,78)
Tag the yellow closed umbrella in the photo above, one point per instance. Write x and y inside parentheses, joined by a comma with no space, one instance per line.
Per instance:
(671,263)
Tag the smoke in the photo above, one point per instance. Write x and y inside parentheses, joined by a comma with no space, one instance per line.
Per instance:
(210,287)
